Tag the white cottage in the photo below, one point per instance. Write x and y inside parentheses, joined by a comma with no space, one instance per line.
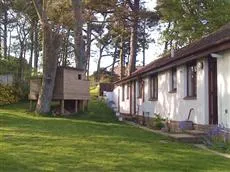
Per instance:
(195,78)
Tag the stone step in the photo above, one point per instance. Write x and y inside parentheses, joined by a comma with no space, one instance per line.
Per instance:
(186,138)
(196,132)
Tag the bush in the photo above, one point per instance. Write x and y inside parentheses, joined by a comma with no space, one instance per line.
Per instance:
(217,139)
(157,122)
(159,125)
(8,94)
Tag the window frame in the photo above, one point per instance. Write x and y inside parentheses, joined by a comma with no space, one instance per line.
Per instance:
(123,92)
(127,91)
(153,85)
(173,80)
(140,87)
(191,80)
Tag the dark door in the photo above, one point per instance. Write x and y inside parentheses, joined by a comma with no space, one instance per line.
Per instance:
(118,100)
(134,96)
(213,111)
(143,91)
(130,85)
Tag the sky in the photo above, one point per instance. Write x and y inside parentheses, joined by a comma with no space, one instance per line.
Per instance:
(154,50)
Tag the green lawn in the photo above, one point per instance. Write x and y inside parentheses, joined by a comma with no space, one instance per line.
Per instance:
(93,142)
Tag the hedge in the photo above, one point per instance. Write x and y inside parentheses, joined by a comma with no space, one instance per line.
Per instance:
(8,94)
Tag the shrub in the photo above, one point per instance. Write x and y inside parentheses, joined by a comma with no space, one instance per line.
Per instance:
(217,139)
(157,122)
(159,125)
(8,94)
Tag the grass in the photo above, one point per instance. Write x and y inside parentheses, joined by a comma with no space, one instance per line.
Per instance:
(92,142)
(220,146)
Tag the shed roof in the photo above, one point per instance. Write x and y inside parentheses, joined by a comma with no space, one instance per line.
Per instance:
(215,42)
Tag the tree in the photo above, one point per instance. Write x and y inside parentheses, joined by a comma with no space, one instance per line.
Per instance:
(51,43)
(78,24)
(187,21)
(22,33)
(135,7)
(5,21)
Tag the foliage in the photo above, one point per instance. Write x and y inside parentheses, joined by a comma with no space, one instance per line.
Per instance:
(103,76)
(11,65)
(217,139)
(8,94)
(190,20)
(157,122)
(92,142)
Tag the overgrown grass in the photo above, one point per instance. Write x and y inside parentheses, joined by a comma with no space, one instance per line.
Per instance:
(92,142)
(220,146)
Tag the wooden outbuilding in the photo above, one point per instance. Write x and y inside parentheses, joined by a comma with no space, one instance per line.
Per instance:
(70,88)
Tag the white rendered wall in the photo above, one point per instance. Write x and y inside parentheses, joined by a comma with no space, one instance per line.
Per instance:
(115,96)
(173,105)
(124,105)
(223,81)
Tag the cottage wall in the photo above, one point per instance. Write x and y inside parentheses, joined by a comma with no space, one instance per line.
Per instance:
(223,81)
(124,104)
(172,105)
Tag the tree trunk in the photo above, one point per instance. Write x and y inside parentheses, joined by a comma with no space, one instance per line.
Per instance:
(32,46)
(65,55)
(78,49)
(121,56)
(143,53)
(167,41)
(51,43)
(36,47)
(143,44)
(5,23)
(88,49)
(9,47)
(0,41)
(99,63)
(114,58)
(133,38)
(20,68)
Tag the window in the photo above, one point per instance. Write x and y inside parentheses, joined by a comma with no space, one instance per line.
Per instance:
(153,87)
(123,92)
(139,89)
(127,96)
(173,78)
(79,76)
(192,80)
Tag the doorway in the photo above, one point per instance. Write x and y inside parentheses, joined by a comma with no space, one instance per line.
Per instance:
(212,90)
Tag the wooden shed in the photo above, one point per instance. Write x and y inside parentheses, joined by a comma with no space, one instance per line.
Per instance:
(70,88)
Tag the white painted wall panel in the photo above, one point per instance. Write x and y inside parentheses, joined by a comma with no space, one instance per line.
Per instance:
(223,80)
